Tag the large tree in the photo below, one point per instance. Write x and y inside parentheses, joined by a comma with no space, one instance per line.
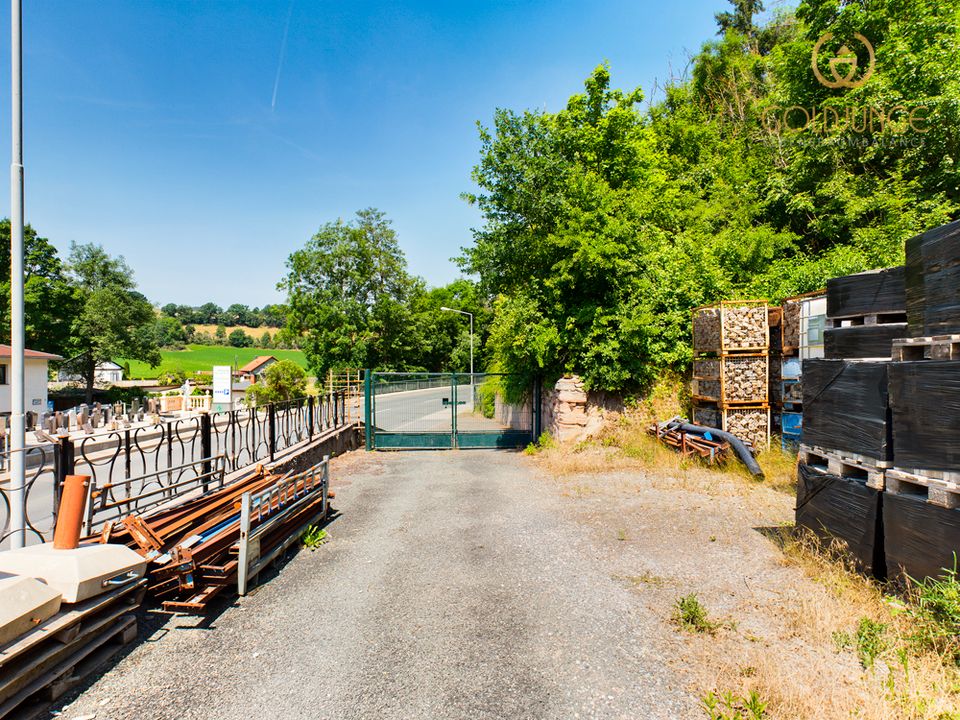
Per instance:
(113,320)
(48,297)
(347,292)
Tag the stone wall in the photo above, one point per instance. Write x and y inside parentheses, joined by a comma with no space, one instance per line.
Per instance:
(571,414)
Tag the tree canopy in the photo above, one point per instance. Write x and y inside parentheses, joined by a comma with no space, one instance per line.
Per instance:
(605,223)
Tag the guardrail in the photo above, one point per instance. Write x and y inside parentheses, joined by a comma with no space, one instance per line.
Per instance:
(263,512)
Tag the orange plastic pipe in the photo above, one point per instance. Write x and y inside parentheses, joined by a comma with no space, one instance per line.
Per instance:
(73,500)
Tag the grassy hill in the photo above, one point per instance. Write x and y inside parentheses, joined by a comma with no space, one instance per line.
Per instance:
(204,357)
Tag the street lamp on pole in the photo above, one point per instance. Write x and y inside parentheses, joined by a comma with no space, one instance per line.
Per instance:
(464,312)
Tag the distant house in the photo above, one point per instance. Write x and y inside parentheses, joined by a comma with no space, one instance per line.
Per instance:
(253,370)
(107,371)
(35,372)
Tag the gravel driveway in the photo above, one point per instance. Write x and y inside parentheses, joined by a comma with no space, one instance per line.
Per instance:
(452,587)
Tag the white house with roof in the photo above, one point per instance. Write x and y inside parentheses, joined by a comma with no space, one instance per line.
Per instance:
(35,371)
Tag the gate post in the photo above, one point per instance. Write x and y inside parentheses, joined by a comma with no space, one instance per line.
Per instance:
(453,410)
(367,395)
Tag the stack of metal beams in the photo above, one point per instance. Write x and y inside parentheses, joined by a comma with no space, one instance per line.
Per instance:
(195,548)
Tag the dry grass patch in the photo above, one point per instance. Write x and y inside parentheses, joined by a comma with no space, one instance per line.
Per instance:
(858,652)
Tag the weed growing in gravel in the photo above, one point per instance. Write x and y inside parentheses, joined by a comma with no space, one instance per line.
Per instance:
(621,535)
(734,707)
(690,614)
(544,442)
(314,537)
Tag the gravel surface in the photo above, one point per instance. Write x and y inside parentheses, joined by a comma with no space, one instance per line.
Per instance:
(454,586)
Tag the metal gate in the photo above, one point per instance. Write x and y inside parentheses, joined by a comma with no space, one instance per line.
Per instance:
(445,410)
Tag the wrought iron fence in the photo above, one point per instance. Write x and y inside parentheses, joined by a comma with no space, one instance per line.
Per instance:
(166,454)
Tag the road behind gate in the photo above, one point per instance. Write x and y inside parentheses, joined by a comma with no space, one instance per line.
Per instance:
(451,588)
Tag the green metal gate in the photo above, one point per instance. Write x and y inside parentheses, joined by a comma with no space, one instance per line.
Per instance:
(445,410)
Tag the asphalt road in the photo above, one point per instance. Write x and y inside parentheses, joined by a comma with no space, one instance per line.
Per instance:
(424,411)
(452,587)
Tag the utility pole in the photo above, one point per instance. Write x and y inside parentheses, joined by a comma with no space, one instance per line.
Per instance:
(17,419)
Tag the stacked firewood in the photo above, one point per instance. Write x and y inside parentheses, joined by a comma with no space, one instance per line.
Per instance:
(731,367)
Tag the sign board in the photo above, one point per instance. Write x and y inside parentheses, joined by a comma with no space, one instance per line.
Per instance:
(222,385)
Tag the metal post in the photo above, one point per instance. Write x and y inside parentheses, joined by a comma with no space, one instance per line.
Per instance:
(272,425)
(17,341)
(367,397)
(206,448)
(310,400)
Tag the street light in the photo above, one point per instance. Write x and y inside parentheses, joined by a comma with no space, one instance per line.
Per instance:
(464,312)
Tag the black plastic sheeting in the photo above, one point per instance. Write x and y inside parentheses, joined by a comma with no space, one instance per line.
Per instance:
(919,539)
(845,509)
(845,407)
(876,291)
(933,281)
(862,341)
(925,400)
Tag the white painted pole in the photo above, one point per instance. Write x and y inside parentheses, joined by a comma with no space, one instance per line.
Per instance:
(17,432)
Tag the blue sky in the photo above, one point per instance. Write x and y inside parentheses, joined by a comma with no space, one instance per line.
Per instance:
(164,131)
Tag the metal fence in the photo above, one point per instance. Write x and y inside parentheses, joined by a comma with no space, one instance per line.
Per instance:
(134,461)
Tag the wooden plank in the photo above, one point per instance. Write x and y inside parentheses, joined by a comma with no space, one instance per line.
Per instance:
(64,620)
(69,670)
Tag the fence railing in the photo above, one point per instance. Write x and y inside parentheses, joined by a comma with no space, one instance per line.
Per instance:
(167,453)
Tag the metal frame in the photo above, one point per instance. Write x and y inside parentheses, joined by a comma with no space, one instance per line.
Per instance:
(263,511)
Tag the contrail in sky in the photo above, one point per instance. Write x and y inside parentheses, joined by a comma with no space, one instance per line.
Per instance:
(283,52)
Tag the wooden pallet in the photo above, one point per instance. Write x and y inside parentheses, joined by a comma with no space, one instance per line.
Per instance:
(57,655)
(845,464)
(867,319)
(937,347)
(934,486)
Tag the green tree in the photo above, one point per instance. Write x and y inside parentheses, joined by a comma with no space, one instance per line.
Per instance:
(238,338)
(113,319)
(347,294)
(221,335)
(283,380)
(266,341)
(48,298)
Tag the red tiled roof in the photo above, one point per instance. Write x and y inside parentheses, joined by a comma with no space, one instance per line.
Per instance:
(6,350)
(256,363)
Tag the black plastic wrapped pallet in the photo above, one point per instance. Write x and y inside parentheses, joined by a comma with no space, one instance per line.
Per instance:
(919,539)
(846,509)
(845,407)
(925,401)
(933,281)
(862,341)
(875,291)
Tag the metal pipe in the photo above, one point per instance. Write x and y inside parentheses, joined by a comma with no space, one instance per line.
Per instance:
(17,341)
(736,443)
(66,535)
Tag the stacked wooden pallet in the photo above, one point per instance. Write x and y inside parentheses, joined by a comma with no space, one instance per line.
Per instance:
(59,653)
(730,386)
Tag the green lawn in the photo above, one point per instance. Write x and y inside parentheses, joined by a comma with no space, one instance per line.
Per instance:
(204,357)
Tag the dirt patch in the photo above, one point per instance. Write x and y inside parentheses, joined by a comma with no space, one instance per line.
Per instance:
(808,637)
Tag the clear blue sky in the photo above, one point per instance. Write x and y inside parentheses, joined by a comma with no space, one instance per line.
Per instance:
(151,126)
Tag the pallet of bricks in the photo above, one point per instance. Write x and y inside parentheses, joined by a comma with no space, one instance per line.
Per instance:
(730,386)
(846,440)
(921,505)
(801,337)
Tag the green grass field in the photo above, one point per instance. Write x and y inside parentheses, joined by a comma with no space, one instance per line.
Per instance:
(204,357)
